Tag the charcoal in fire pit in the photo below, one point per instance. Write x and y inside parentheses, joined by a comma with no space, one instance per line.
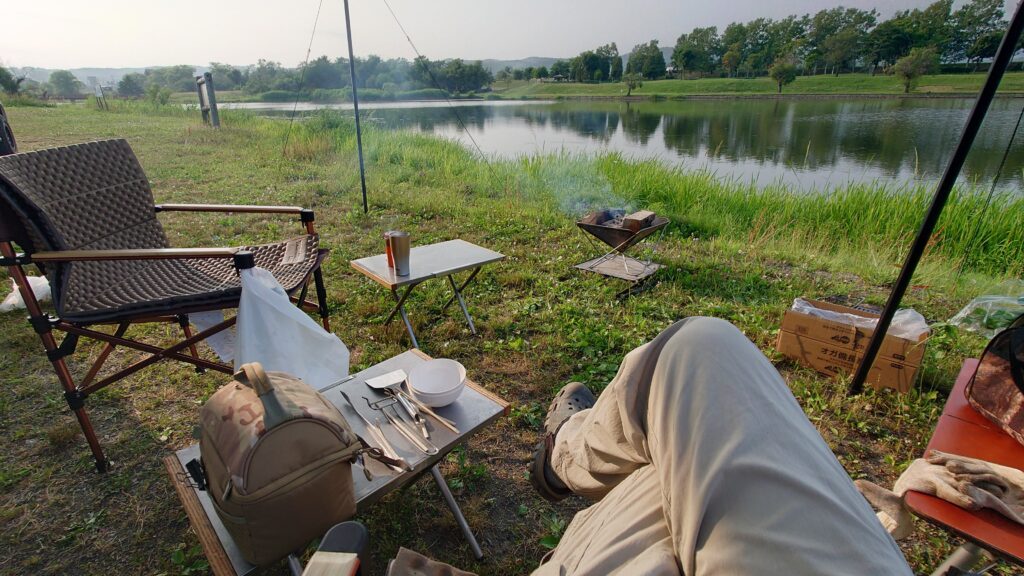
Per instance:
(611,227)
(604,217)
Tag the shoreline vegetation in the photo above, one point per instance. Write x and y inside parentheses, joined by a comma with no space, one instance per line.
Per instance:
(821,86)
(733,250)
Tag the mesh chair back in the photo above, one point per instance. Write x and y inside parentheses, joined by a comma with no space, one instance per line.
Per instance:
(91,196)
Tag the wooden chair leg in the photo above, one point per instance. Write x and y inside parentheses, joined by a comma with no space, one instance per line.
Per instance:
(183,322)
(41,323)
(104,354)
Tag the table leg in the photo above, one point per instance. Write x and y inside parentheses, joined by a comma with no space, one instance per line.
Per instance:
(454,507)
(457,296)
(462,304)
(400,309)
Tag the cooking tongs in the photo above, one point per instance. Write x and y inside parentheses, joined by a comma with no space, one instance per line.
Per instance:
(403,428)
(379,437)
(391,384)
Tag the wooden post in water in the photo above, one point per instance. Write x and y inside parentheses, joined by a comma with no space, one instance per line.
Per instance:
(355,107)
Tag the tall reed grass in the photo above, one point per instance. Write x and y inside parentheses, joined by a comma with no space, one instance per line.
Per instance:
(875,220)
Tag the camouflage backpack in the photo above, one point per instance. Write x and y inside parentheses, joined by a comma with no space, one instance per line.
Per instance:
(277,458)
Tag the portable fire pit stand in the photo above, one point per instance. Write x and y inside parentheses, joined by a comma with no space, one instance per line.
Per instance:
(621,232)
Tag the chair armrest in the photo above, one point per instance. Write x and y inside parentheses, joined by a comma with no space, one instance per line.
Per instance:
(229,208)
(136,254)
(306,215)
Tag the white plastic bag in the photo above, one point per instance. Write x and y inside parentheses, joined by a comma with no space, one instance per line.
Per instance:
(906,322)
(40,287)
(274,332)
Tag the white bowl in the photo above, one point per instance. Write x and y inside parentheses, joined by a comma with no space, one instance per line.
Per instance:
(437,382)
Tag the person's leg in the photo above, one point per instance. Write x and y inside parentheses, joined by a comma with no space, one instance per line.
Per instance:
(598,448)
(747,485)
(625,533)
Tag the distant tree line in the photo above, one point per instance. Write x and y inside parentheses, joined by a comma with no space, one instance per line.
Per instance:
(842,40)
(831,41)
(453,76)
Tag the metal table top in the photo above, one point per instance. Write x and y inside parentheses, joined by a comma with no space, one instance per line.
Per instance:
(428,261)
(475,408)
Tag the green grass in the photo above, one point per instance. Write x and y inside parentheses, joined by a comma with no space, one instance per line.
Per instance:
(804,85)
(732,251)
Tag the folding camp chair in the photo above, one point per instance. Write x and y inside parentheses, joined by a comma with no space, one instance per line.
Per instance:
(85,216)
(963,430)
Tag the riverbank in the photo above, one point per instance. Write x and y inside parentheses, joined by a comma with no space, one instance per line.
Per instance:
(732,251)
(824,85)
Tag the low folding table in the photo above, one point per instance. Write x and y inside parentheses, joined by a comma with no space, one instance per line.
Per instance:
(962,430)
(475,409)
(444,259)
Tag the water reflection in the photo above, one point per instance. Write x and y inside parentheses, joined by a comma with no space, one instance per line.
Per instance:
(807,144)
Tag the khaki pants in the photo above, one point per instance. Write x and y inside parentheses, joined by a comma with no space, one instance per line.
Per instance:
(702,462)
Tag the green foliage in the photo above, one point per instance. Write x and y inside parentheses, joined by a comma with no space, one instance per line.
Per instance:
(64,84)
(632,80)
(647,61)
(8,83)
(698,51)
(466,474)
(561,68)
(157,95)
(615,72)
(180,78)
(132,86)
(974,24)
(189,560)
(226,77)
(919,62)
(286,96)
(555,527)
(783,72)
(454,76)
(22,100)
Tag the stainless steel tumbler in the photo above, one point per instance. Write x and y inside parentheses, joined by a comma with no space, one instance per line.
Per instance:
(400,252)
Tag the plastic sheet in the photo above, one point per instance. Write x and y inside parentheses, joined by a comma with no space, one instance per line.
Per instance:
(274,332)
(906,323)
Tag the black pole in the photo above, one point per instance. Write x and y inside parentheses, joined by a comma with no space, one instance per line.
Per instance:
(995,73)
(355,106)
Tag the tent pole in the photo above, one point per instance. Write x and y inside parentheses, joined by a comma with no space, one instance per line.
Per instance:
(355,106)
(995,73)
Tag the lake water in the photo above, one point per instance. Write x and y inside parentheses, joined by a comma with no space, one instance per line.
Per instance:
(806,144)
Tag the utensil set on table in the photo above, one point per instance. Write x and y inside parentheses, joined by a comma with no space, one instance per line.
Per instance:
(403,412)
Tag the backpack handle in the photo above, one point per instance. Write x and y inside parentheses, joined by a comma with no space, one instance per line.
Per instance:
(252,375)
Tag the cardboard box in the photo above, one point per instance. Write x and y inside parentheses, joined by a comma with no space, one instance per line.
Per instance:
(833,347)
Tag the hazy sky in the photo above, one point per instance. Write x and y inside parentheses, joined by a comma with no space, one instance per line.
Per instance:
(123,33)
